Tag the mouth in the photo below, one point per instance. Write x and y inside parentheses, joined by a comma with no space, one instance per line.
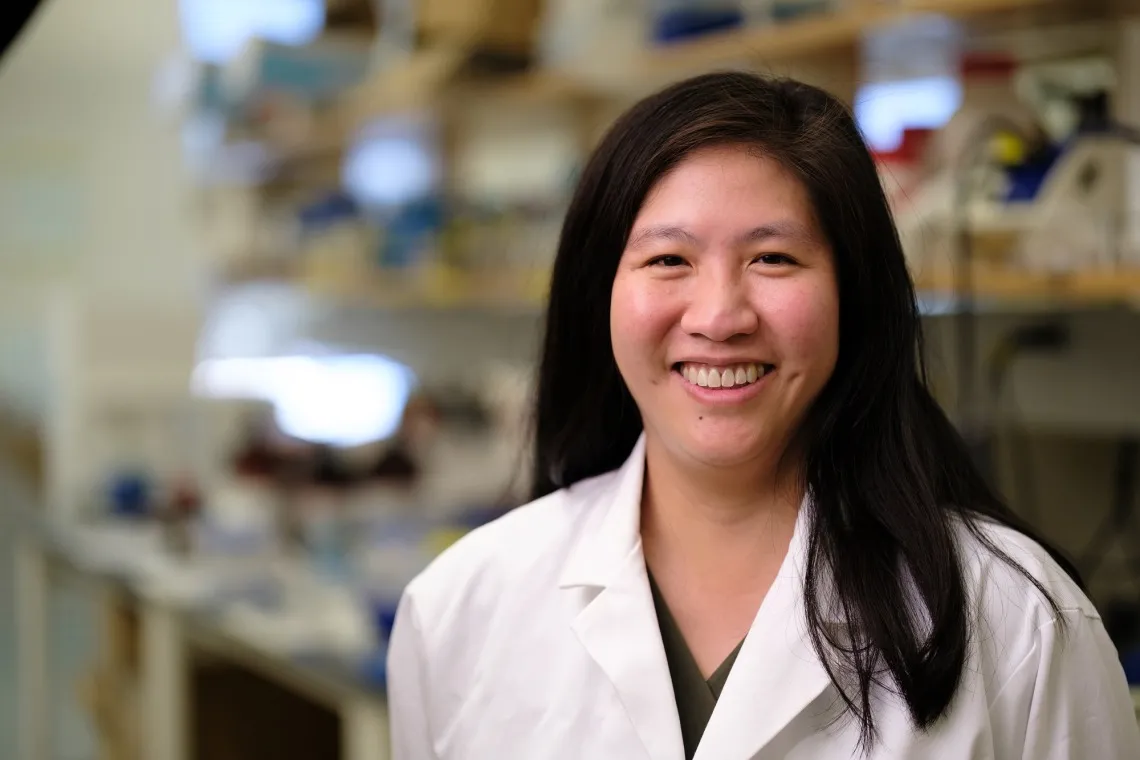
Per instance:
(724,377)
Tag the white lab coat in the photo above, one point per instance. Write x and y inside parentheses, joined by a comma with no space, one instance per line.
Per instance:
(535,638)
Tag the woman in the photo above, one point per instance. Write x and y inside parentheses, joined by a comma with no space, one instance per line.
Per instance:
(755,534)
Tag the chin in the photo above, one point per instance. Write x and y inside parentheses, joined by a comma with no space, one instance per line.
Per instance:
(723,457)
(726,445)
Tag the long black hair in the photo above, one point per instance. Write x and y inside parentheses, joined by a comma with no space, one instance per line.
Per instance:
(888,473)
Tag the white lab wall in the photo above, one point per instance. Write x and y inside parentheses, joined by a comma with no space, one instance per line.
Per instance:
(23,354)
(98,221)
(79,114)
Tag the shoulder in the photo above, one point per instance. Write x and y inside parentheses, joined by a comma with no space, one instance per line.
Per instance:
(488,597)
(518,555)
(1014,629)
(1051,678)
(1013,583)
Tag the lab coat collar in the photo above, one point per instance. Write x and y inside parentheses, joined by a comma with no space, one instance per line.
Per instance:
(776,675)
(613,527)
(613,530)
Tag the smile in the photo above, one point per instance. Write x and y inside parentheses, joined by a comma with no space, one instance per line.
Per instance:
(731,376)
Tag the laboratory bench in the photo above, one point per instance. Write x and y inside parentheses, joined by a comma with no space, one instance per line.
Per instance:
(200,685)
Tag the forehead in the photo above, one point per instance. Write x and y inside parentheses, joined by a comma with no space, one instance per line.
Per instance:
(728,188)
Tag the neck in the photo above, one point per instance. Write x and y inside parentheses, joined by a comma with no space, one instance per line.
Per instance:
(724,523)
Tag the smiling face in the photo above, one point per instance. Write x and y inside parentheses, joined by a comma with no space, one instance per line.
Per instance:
(724,315)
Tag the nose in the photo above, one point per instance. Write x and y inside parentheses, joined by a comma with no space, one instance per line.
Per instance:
(720,309)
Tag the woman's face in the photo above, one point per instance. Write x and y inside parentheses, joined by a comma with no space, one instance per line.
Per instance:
(724,315)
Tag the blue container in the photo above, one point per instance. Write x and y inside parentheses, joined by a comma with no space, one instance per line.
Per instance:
(327,211)
(687,21)
(410,232)
(1025,181)
(383,616)
(129,495)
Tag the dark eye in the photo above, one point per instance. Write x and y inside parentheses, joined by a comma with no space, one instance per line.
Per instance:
(773,259)
(667,261)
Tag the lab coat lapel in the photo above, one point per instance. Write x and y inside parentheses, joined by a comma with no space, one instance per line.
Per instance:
(776,675)
(619,629)
(616,622)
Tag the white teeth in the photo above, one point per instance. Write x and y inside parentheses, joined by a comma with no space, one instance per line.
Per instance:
(729,377)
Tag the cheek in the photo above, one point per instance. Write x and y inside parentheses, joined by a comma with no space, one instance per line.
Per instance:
(806,321)
(640,320)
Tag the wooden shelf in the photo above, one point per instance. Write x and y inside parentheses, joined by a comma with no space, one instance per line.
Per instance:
(817,37)
(433,289)
(1081,288)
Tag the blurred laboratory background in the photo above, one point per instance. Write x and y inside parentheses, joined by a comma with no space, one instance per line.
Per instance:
(271,286)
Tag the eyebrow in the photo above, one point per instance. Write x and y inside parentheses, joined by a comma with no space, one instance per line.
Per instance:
(786,229)
(664,232)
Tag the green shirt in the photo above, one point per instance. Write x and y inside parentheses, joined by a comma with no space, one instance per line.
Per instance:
(695,696)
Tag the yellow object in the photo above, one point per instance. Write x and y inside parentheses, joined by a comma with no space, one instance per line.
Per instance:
(1008,149)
